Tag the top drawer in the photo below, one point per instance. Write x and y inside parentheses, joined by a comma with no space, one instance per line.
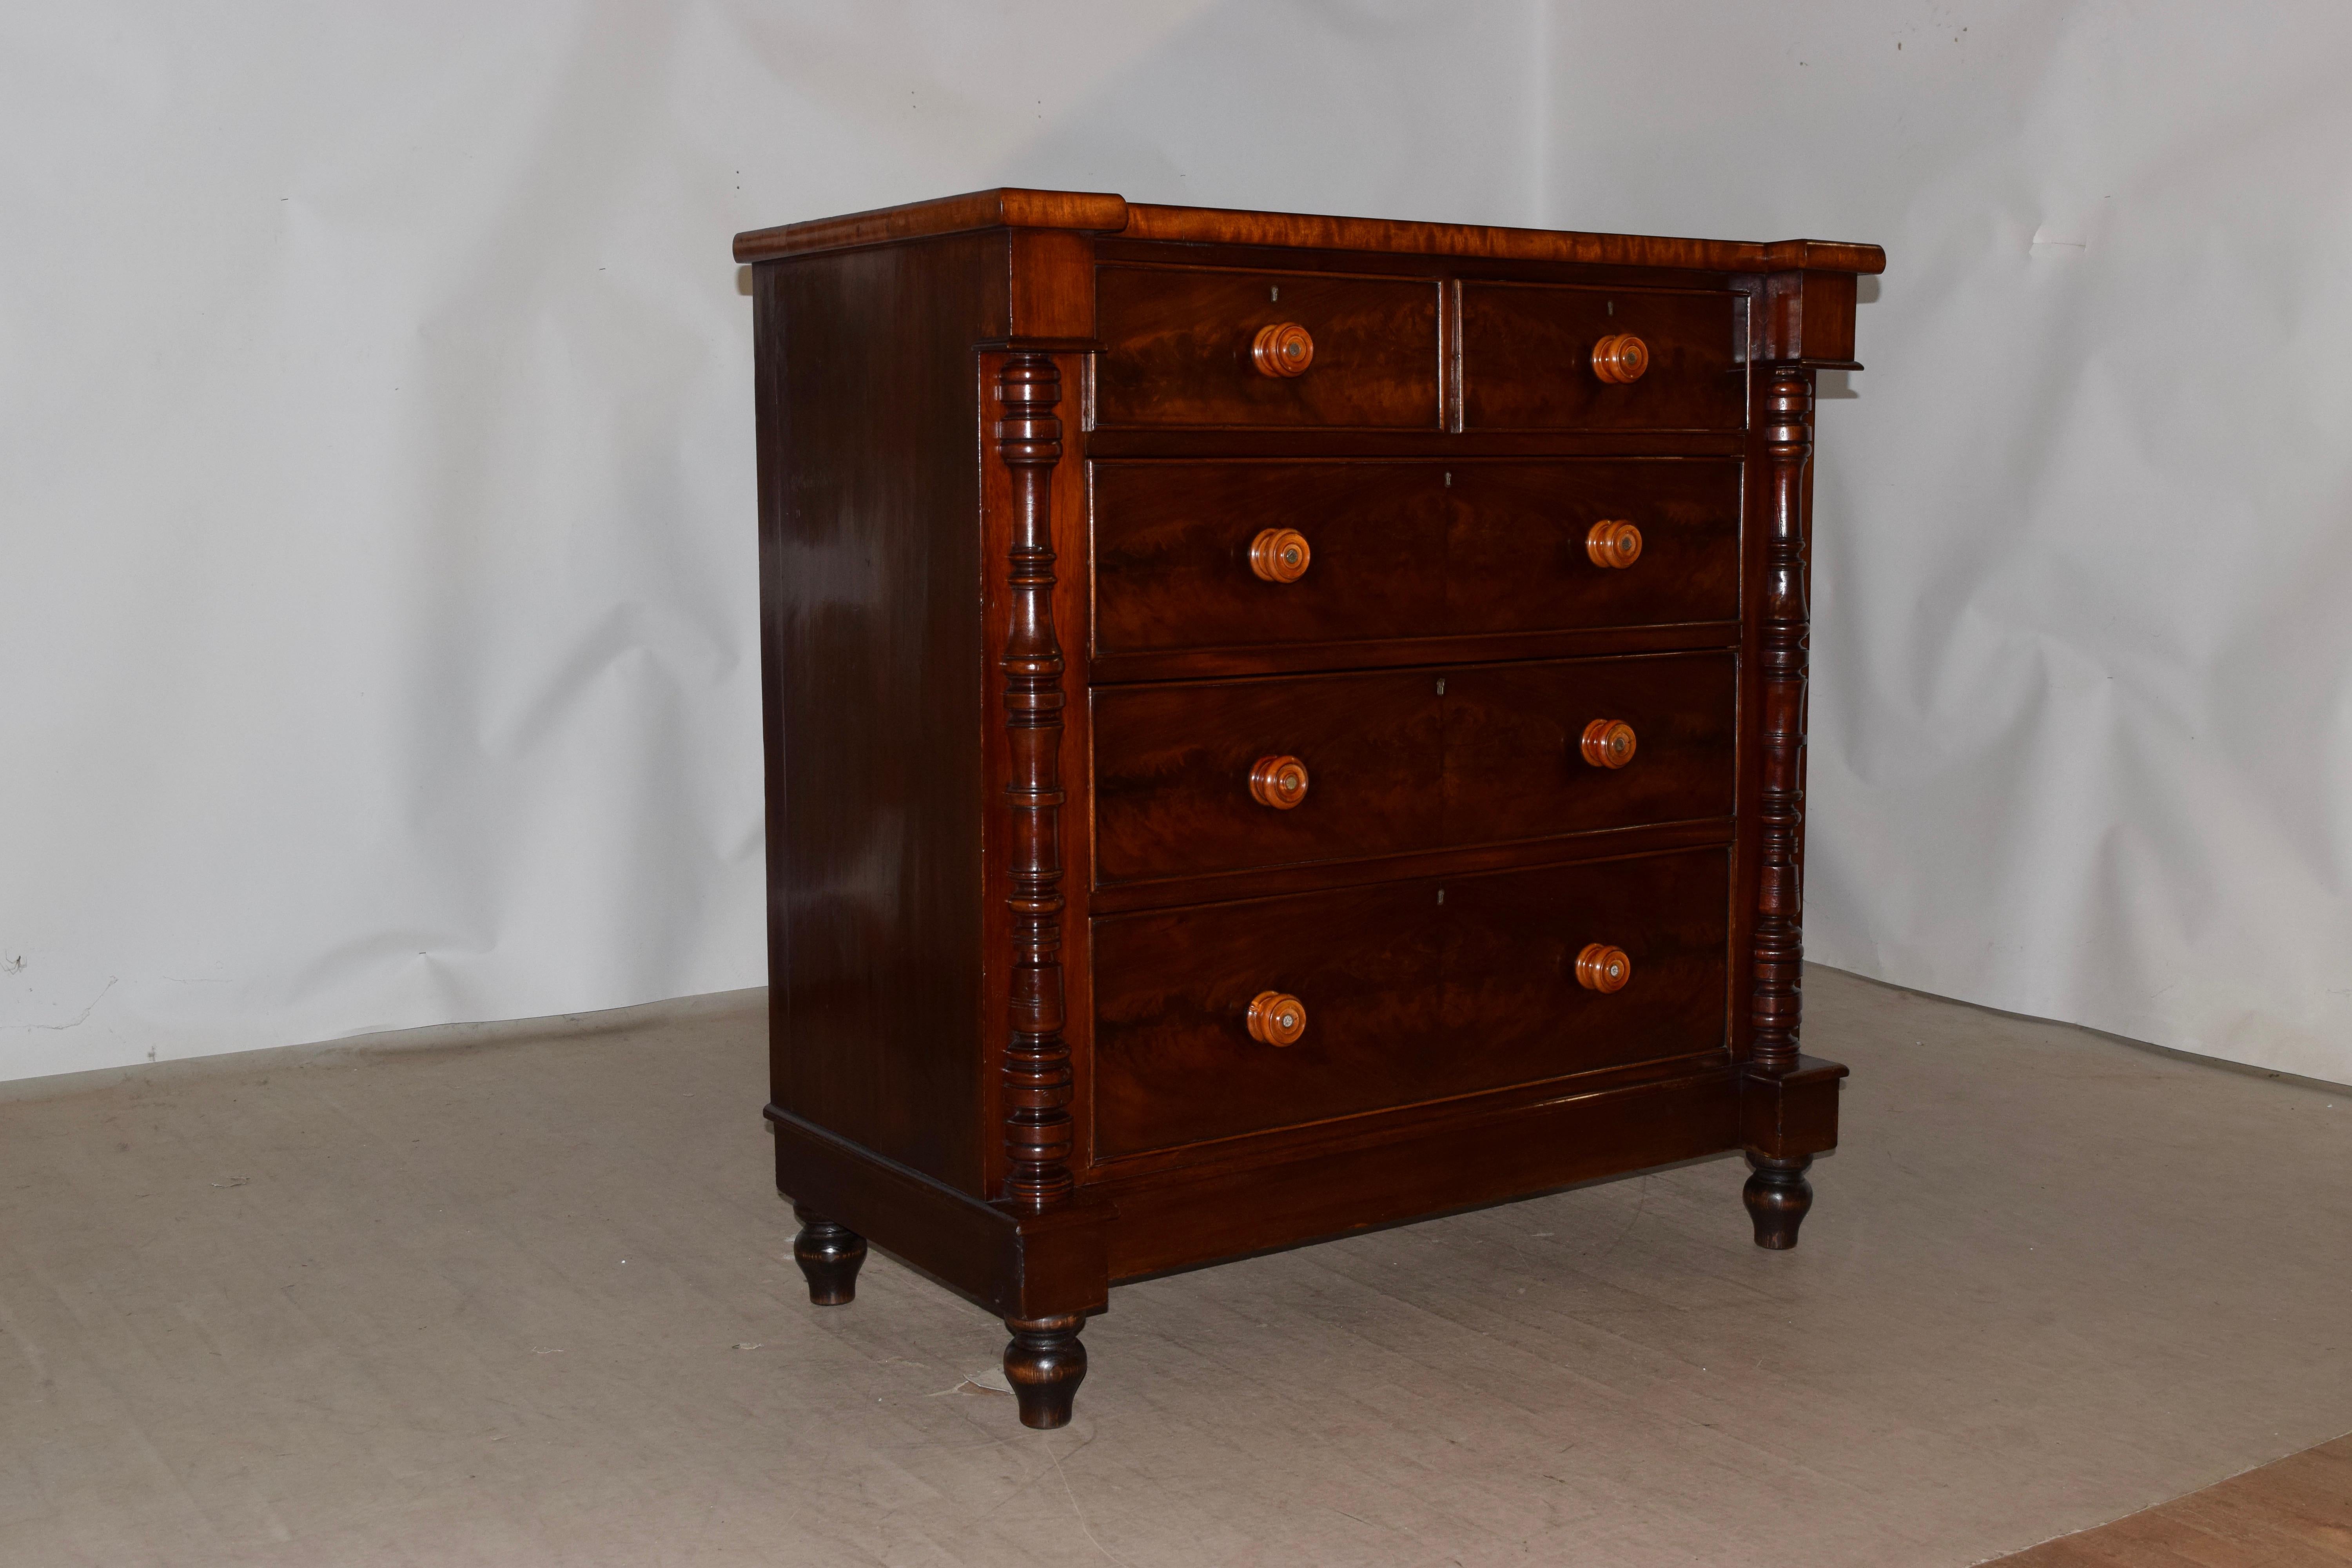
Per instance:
(1178,350)
(1527,358)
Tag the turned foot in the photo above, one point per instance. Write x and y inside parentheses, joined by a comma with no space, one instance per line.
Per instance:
(1778,1196)
(1044,1363)
(828,1255)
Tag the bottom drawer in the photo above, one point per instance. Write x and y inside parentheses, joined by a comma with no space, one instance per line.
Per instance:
(1407,992)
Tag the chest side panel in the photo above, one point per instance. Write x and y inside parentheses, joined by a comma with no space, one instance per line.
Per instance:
(870,592)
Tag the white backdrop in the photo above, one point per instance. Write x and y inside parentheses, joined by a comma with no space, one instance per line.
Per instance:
(376,470)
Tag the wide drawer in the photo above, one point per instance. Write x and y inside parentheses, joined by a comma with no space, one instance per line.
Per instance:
(1178,350)
(1404,550)
(1402,760)
(1527,358)
(1410,991)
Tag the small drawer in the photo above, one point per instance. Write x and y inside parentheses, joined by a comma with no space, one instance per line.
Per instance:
(1405,760)
(1529,358)
(1402,549)
(1208,348)
(1400,995)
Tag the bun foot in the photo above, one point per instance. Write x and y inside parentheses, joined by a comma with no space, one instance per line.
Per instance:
(1778,1196)
(1044,1363)
(828,1255)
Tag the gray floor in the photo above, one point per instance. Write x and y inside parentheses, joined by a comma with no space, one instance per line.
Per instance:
(520,1297)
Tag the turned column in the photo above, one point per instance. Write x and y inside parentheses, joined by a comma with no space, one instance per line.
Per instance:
(1044,1361)
(1778,1194)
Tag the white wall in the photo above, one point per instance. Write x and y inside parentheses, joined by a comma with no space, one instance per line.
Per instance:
(376,485)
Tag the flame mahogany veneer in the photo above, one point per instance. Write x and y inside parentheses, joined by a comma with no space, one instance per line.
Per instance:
(1089,532)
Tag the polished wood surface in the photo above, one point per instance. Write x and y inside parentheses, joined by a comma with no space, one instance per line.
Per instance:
(1779,947)
(1406,551)
(2295,1512)
(1601,967)
(1608,743)
(1273,725)
(1621,358)
(1613,545)
(1278,781)
(1284,349)
(1103,214)
(1776,1195)
(1679,372)
(1037,1069)
(1180,348)
(1275,1018)
(1401,760)
(869,608)
(1414,991)
(1280,555)
(829,1256)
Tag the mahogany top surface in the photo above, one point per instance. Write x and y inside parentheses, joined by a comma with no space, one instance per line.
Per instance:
(1101,213)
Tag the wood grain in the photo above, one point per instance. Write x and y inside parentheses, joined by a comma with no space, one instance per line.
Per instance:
(1405,549)
(1517,337)
(1179,349)
(1406,761)
(1409,996)
(1101,213)
(2295,1512)
(869,576)
(1780,942)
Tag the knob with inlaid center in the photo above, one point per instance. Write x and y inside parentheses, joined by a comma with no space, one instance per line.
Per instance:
(1280,554)
(1619,358)
(1615,545)
(1284,349)
(1278,781)
(1607,743)
(1276,1018)
(1602,968)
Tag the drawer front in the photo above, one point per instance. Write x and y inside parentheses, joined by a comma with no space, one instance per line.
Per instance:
(1172,768)
(1526,359)
(1406,997)
(1515,761)
(1177,350)
(1401,760)
(1404,550)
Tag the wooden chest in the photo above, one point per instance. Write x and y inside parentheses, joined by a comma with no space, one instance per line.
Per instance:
(1275,725)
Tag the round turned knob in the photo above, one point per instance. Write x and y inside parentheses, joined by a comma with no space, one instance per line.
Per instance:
(1276,1019)
(1280,555)
(1613,544)
(1285,349)
(1278,781)
(1602,968)
(1608,743)
(1620,357)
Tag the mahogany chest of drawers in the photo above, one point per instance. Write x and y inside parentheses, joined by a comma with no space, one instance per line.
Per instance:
(1275,725)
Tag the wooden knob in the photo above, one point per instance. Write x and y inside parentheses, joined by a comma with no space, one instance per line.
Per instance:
(1280,555)
(1608,743)
(1602,968)
(1278,781)
(1613,544)
(1620,357)
(1276,1019)
(1285,349)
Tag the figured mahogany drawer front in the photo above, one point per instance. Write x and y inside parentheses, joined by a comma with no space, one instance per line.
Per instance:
(1402,760)
(1406,549)
(1527,358)
(1181,348)
(1403,996)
